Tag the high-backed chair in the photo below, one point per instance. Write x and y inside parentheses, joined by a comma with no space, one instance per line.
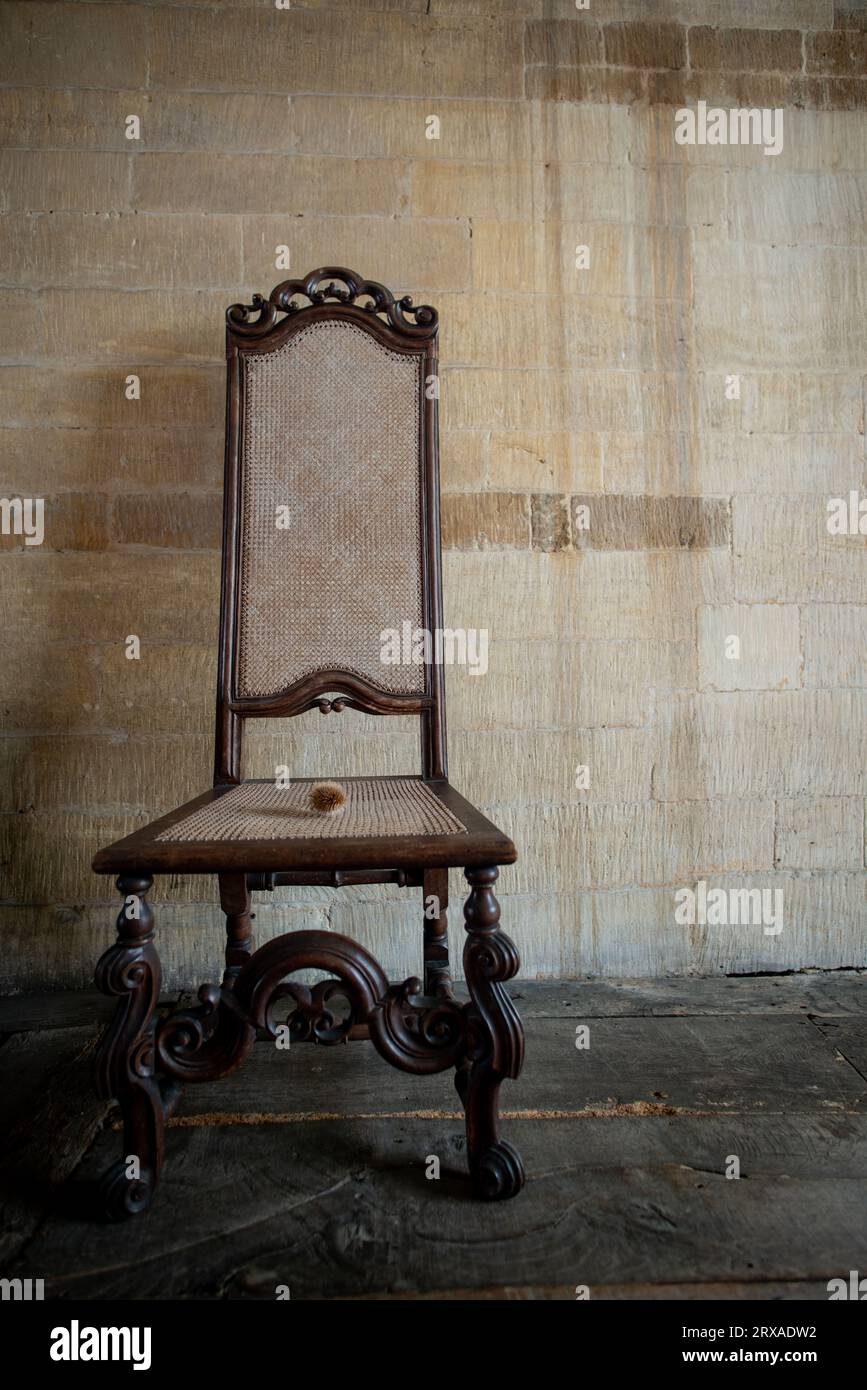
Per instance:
(331,541)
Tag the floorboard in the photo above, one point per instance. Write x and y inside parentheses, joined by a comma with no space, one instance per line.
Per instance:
(699,1065)
(342,1208)
(307,1167)
(830,993)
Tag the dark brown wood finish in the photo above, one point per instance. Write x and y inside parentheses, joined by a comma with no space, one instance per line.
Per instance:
(124,1063)
(417,1026)
(236,900)
(433,721)
(495,1048)
(437,978)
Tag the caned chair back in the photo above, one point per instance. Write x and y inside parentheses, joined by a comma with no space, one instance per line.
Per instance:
(331,548)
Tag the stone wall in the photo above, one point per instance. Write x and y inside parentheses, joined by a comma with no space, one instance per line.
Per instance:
(692,384)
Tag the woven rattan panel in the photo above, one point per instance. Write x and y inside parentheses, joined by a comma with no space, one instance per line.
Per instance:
(331,437)
(385,806)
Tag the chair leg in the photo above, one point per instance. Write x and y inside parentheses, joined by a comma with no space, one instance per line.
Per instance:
(124,1064)
(236,900)
(437,973)
(495,1040)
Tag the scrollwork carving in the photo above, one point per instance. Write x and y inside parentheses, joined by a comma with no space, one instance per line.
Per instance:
(312,1020)
(488,963)
(143,1064)
(124,1066)
(337,285)
(421,1038)
(212,1038)
(495,1040)
(205,1041)
(326,706)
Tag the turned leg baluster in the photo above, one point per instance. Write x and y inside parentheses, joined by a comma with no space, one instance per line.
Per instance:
(437,975)
(236,900)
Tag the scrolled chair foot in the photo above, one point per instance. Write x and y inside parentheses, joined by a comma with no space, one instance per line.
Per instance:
(499,1172)
(120,1196)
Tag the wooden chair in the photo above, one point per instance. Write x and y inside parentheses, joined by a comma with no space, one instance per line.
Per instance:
(331,537)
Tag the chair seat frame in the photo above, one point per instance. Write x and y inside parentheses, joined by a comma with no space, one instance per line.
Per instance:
(147,1055)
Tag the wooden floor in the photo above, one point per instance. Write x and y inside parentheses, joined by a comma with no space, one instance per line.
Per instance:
(307,1168)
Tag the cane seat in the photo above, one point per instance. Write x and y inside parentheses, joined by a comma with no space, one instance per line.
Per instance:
(266,827)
